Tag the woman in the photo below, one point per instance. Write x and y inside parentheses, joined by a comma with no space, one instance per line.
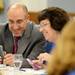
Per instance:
(52,20)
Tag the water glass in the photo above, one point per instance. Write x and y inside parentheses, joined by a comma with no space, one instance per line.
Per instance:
(18,58)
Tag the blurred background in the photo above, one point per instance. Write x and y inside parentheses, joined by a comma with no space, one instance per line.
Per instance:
(34,6)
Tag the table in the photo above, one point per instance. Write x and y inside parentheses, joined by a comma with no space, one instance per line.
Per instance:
(7,70)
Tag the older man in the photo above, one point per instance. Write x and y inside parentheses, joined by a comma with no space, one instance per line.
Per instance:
(30,40)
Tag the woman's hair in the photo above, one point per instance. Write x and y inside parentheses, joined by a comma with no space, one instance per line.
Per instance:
(57,17)
(63,56)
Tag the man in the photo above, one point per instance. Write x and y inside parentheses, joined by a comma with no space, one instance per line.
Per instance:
(30,40)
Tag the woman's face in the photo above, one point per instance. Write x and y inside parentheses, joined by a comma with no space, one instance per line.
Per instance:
(46,29)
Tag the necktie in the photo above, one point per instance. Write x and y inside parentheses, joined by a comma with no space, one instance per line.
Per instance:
(15,45)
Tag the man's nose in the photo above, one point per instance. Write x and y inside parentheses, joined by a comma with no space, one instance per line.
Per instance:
(15,26)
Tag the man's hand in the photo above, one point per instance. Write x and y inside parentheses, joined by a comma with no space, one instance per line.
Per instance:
(8,59)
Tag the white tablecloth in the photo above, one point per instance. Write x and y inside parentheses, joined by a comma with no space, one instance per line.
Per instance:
(7,70)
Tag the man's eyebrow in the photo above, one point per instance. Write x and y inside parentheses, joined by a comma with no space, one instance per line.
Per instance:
(11,20)
(19,20)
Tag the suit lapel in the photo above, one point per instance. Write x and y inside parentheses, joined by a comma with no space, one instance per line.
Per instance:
(22,44)
(25,39)
(8,41)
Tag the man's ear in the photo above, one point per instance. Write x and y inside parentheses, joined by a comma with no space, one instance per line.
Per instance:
(27,16)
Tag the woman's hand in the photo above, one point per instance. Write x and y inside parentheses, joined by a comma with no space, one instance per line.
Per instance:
(43,56)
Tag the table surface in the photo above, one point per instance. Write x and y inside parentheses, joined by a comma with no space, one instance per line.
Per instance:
(7,70)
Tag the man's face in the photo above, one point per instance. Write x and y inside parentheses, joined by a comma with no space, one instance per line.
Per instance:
(17,19)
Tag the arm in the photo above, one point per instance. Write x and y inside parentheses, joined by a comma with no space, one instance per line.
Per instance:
(37,49)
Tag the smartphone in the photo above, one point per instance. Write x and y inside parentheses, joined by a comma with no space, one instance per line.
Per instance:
(1,51)
(34,66)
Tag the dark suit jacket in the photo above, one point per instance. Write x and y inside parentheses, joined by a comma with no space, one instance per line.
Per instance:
(30,44)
